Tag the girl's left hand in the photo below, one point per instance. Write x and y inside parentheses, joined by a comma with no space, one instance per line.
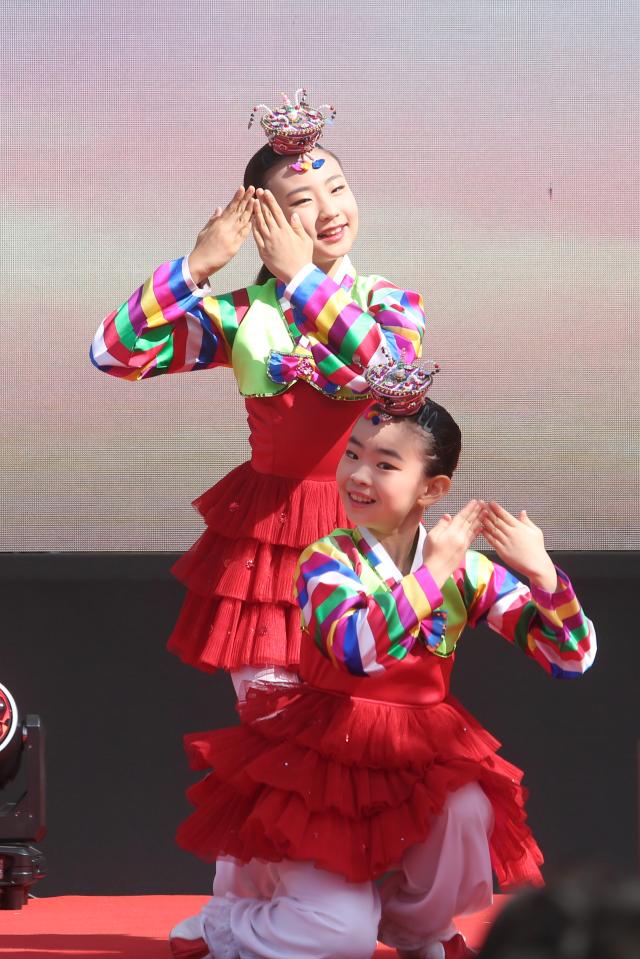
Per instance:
(284,247)
(520,544)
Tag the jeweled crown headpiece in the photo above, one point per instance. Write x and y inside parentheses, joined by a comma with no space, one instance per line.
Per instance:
(400,389)
(295,128)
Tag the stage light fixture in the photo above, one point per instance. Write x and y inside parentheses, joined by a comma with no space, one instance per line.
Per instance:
(22,802)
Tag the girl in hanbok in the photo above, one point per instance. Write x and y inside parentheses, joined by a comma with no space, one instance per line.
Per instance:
(367,801)
(299,342)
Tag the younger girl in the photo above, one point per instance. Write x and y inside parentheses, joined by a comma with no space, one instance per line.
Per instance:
(298,342)
(368,801)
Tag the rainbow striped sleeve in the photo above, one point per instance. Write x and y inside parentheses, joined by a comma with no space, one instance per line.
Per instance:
(169,325)
(361,632)
(349,338)
(549,627)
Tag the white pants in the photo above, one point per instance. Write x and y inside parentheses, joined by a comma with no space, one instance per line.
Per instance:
(447,875)
(287,910)
(248,675)
(233,878)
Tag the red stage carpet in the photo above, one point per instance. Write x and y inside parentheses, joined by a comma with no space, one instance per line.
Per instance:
(126,927)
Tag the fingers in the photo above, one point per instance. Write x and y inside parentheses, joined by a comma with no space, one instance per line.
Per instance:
(524,518)
(245,211)
(474,527)
(268,216)
(499,527)
(493,526)
(500,522)
(262,208)
(269,211)
(257,236)
(467,510)
(468,522)
(272,208)
(239,208)
(296,225)
(259,220)
(493,536)
(442,523)
(500,516)
(469,518)
(471,513)
(496,522)
(235,200)
(241,202)
(217,213)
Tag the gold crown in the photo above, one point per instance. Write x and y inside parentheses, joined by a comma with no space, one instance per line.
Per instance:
(400,389)
(295,128)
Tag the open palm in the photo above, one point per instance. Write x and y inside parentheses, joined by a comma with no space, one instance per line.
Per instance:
(222,236)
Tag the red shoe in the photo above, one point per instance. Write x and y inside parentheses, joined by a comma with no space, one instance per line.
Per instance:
(457,948)
(186,942)
(189,948)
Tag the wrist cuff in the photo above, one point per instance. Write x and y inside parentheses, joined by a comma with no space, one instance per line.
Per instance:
(296,280)
(563,592)
(198,290)
(431,593)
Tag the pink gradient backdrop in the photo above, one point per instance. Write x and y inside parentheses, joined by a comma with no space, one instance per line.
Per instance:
(123,127)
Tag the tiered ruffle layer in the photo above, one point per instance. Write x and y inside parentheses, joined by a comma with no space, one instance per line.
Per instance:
(240,610)
(348,784)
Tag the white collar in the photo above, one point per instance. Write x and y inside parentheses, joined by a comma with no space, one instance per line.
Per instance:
(344,269)
(380,559)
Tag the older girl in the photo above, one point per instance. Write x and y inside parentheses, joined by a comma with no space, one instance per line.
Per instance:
(299,342)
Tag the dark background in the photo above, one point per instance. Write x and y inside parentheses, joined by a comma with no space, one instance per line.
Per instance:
(83,647)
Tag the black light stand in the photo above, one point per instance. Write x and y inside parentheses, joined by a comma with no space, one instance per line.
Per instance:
(22,817)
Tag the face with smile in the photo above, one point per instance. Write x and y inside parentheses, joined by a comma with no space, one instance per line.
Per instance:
(323,201)
(382,479)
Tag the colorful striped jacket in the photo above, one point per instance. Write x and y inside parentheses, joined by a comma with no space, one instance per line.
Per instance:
(323,329)
(366,617)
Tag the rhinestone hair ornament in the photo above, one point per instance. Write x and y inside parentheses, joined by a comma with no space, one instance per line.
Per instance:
(400,389)
(295,128)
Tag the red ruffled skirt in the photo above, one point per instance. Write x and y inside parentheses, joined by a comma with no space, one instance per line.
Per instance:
(240,610)
(348,784)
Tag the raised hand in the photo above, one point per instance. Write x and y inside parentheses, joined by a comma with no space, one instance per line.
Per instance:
(520,544)
(448,541)
(222,236)
(283,247)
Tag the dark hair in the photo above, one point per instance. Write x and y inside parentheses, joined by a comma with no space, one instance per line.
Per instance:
(576,917)
(255,175)
(441,436)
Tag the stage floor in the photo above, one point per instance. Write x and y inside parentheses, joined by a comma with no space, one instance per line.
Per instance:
(128,927)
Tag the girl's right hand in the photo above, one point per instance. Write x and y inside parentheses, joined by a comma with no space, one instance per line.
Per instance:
(221,238)
(447,543)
